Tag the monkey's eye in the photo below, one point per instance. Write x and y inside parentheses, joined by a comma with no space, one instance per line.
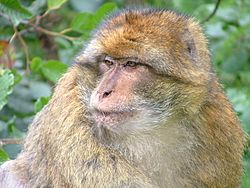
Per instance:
(108,62)
(131,64)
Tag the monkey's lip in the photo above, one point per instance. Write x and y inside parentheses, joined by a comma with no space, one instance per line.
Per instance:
(110,118)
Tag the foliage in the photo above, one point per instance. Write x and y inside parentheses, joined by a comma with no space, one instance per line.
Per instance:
(3,156)
(6,85)
(14,10)
(38,40)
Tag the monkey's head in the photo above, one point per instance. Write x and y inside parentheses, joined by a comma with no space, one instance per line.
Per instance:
(150,66)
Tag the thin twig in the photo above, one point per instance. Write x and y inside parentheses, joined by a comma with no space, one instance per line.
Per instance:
(213,13)
(45,14)
(52,33)
(12,38)
(65,31)
(55,34)
(25,48)
(38,18)
(5,16)
(6,141)
(23,32)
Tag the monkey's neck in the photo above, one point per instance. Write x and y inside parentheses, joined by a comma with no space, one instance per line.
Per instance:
(157,153)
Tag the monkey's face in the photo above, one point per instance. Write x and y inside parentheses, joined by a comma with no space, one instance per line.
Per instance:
(130,96)
(116,99)
(149,67)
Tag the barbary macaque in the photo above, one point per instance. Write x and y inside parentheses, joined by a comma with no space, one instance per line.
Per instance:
(141,107)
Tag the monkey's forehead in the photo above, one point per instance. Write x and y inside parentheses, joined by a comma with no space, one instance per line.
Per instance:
(155,36)
(143,19)
(142,31)
(135,30)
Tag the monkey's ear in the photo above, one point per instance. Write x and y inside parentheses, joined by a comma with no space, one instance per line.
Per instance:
(190,44)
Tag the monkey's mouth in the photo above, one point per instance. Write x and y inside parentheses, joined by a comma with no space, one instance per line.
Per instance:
(111,118)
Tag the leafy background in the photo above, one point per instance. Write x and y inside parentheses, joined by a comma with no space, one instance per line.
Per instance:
(39,39)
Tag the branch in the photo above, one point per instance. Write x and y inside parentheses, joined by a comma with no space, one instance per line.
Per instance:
(213,13)
(25,48)
(38,18)
(65,31)
(52,33)
(55,34)
(12,38)
(6,141)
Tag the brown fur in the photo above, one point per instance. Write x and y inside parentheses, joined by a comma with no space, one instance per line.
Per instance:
(197,141)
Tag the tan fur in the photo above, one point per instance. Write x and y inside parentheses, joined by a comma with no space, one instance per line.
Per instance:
(194,141)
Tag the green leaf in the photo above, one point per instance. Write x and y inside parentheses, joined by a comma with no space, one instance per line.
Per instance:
(14,10)
(234,63)
(3,156)
(20,101)
(245,77)
(13,132)
(40,103)
(17,77)
(103,11)
(83,21)
(6,86)
(241,102)
(36,64)
(39,89)
(53,70)
(55,4)
(229,14)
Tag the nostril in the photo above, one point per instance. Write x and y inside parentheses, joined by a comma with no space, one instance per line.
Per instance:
(106,94)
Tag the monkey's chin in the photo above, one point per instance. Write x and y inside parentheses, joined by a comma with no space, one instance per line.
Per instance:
(111,119)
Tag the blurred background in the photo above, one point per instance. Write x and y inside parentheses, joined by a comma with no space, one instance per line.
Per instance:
(39,40)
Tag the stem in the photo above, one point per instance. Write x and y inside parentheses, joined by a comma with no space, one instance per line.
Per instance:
(53,33)
(12,38)
(213,13)
(38,18)
(6,141)
(65,31)
(25,48)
